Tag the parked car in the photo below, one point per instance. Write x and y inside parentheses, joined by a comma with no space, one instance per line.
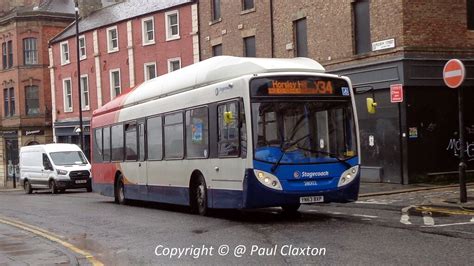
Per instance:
(54,166)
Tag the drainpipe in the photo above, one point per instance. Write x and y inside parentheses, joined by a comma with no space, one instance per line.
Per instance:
(271,30)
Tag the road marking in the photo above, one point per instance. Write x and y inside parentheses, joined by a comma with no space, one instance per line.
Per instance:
(444,225)
(365,216)
(405,218)
(427,218)
(51,237)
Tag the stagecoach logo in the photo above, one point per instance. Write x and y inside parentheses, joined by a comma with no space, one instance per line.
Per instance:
(223,89)
(297,174)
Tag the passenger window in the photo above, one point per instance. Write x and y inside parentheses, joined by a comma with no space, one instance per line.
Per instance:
(47,163)
(106,148)
(154,138)
(228,123)
(131,153)
(117,143)
(197,133)
(174,136)
(97,156)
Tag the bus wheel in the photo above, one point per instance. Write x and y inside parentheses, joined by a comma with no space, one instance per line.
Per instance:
(53,187)
(27,187)
(291,209)
(199,196)
(120,191)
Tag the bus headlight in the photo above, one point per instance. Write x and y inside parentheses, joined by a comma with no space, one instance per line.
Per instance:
(348,176)
(268,180)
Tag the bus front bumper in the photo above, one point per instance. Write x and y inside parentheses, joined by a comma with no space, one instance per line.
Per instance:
(256,195)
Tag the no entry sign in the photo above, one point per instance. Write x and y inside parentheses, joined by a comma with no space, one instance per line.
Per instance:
(454,73)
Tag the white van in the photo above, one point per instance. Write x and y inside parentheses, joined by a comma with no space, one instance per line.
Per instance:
(54,166)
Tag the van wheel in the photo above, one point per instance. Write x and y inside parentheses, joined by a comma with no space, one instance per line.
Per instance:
(120,191)
(27,187)
(53,187)
(199,196)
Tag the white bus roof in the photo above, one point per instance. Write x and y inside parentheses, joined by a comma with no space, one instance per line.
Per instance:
(217,69)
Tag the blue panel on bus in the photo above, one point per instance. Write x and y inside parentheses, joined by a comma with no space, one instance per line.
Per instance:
(307,177)
(256,195)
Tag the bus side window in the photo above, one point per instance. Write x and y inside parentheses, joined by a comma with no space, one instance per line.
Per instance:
(97,156)
(228,125)
(117,143)
(154,138)
(131,150)
(197,133)
(174,136)
(106,146)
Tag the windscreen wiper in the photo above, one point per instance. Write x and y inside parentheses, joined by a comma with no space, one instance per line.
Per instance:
(332,155)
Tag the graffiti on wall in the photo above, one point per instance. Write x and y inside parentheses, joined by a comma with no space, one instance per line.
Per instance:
(454,145)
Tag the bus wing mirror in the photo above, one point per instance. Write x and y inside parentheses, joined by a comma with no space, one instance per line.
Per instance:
(371,104)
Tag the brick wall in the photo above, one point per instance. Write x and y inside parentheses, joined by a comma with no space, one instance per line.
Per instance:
(235,25)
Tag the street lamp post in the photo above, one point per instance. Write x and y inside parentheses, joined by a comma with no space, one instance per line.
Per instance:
(81,131)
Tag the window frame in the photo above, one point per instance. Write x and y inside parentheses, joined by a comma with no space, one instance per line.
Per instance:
(32,53)
(110,48)
(244,8)
(246,46)
(216,14)
(112,85)
(171,60)
(126,126)
(70,109)
(145,70)
(183,127)
(65,55)
(26,100)
(169,30)
(145,40)
(296,33)
(85,107)
(82,55)
(186,153)
(239,140)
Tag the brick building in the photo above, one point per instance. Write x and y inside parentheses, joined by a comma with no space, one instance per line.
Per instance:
(120,46)
(238,28)
(377,43)
(26,26)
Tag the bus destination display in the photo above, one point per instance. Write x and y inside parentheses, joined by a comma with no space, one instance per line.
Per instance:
(299,86)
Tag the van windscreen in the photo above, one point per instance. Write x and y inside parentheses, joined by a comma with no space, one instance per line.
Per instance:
(68,158)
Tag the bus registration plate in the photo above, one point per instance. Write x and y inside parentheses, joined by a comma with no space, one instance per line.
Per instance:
(312,199)
(81,181)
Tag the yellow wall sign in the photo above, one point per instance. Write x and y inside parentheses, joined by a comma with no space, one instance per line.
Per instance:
(301,87)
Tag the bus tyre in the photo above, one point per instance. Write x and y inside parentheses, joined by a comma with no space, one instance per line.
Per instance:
(291,209)
(27,187)
(120,191)
(53,187)
(199,196)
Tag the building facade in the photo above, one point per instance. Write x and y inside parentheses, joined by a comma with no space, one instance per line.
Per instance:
(238,28)
(120,46)
(378,44)
(25,29)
